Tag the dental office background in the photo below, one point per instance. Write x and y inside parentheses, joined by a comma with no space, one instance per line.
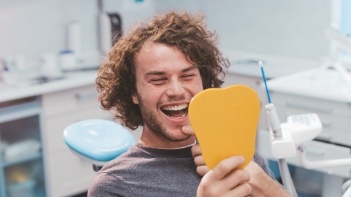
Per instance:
(284,33)
(293,29)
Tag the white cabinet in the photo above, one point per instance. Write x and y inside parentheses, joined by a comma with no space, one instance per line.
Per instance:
(66,174)
(21,160)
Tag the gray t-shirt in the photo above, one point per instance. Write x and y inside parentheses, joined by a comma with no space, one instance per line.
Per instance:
(144,171)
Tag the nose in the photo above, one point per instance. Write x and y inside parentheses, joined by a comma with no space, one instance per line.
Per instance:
(175,88)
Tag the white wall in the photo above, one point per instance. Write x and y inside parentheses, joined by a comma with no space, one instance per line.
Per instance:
(31,28)
(288,28)
(293,28)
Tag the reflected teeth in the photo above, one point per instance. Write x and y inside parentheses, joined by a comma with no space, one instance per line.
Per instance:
(175,107)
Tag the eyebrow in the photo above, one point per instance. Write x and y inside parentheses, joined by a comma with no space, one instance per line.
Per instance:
(192,67)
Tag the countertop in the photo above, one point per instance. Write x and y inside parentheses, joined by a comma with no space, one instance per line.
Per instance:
(69,80)
(274,66)
(327,84)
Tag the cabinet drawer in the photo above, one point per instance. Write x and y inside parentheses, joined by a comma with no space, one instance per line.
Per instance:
(53,127)
(67,174)
(337,136)
(312,104)
(69,100)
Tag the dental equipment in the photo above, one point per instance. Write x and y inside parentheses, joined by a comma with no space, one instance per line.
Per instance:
(277,135)
(288,141)
(97,140)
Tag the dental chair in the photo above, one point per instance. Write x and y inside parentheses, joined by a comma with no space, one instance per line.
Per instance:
(97,140)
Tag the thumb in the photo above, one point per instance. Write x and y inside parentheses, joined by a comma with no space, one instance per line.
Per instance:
(188,130)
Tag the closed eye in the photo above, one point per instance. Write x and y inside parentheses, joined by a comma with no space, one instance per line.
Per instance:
(188,77)
(158,81)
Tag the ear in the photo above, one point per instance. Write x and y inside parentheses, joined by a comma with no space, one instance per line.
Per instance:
(135,99)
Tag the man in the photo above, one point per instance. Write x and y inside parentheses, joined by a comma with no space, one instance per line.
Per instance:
(149,79)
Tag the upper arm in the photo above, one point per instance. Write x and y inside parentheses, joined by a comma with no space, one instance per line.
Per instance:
(106,185)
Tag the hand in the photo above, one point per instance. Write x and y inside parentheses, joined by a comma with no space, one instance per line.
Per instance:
(201,167)
(261,184)
(257,177)
(226,179)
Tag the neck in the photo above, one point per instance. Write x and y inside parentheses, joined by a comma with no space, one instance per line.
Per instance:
(155,141)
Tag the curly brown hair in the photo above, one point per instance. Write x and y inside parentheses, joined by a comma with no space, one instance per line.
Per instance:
(187,32)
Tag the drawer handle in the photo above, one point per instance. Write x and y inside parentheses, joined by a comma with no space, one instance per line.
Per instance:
(84,97)
(310,107)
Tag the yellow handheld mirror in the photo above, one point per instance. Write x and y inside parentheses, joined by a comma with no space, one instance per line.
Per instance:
(225,122)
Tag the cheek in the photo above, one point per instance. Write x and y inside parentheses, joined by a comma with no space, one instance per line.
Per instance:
(142,91)
(198,87)
(146,95)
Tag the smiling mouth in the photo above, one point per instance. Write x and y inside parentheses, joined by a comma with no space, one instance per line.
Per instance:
(175,111)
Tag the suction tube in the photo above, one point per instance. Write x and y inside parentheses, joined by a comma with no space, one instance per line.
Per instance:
(275,128)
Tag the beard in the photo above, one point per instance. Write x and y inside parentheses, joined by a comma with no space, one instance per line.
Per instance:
(155,125)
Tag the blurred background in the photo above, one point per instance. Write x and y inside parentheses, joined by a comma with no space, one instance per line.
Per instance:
(64,42)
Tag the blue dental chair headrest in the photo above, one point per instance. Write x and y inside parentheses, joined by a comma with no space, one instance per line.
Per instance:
(97,140)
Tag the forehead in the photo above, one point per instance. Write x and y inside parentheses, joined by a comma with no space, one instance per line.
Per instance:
(158,56)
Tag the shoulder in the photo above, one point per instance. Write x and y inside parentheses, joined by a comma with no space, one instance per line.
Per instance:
(105,185)
(122,161)
(107,181)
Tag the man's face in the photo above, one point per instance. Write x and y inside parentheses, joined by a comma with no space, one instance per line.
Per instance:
(165,83)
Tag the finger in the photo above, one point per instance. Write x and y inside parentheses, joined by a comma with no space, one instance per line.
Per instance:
(237,177)
(235,185)
(196,150)
(202,170)
(240,190)
(224,167)
(253,168)
(199,160)
(188,130)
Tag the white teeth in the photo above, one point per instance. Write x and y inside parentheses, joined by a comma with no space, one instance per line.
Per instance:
(175,107)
